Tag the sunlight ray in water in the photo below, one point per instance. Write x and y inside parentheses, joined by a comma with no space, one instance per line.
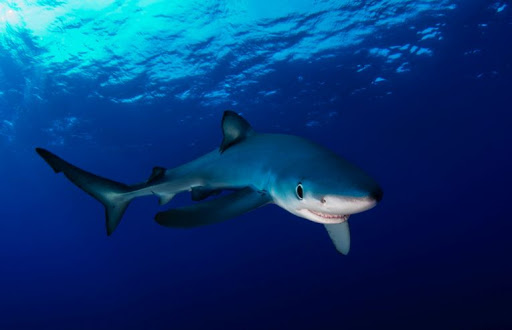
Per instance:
(153,42)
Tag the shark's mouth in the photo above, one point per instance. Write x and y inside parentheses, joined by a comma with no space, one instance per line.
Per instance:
(341,217)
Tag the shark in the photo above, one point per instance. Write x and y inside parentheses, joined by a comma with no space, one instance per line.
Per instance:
(248,170)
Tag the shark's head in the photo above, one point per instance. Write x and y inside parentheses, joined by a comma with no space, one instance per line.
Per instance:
(325,189)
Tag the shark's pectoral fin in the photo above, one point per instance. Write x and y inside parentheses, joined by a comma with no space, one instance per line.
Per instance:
(200,193)
(340,236)
(214,211)
(234,129)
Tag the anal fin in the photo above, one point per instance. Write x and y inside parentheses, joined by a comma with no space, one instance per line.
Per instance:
(165,198)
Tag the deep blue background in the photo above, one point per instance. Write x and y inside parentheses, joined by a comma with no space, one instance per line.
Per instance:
(434,254)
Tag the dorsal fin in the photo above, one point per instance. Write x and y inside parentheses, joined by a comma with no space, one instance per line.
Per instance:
(234,128)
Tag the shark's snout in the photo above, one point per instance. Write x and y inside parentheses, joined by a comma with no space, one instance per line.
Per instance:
(377,194)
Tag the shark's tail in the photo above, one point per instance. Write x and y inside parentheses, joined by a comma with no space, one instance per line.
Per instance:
(111,194)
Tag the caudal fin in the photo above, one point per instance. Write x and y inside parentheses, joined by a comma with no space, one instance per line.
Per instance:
(110,193)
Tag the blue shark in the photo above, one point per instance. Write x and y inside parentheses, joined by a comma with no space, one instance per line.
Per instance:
(256,169)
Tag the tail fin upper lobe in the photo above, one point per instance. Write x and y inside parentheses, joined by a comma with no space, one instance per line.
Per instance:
(110,193)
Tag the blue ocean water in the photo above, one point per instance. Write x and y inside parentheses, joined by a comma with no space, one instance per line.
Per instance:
(416,92)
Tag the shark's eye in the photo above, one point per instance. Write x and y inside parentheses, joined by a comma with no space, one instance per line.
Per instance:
(299,191)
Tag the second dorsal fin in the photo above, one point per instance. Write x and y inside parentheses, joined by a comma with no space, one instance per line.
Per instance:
(234,129)
(157,173)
